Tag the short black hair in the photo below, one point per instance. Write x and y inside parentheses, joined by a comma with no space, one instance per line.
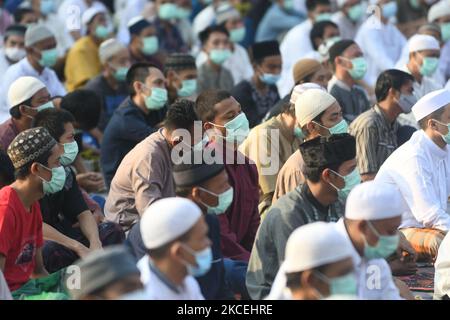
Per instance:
(85,105)
(6,169)
(53,120)
(16,29)
(20,13)
(24,171)
(388,79)
(180,115)
(204,35)
(204,105)
(423,123)
(318,31)
(312,4)
(138,72)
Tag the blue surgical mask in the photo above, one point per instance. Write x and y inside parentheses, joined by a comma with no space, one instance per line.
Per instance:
(445,30)
(344,285)
(47,7)
(168,11)
(102,32)
(356,12)
(385,246)
(351,180)
(219,56)
(406,102)
(188,88)
(237,129)
(298,133)
(203,259)
(70,153)
(157,99)
(359,68)
(237,35)
(150,45)
(429,66)
(121,73)
(446,137)
(45,106)
(323,17)
(57,181)
(341,127)
(224,201)
(390,9)
(49,58)
(269,78)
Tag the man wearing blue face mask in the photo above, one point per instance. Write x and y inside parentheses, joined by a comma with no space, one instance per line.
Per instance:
(175,234)
(377,131)
(63,209)
(373,215)
(42,55)
(27,97)
(420,169)
(181,74)
(258,94)
(349,67)
(136,118)
(330,173)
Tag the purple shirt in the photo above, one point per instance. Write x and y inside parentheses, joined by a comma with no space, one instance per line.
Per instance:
(8,131)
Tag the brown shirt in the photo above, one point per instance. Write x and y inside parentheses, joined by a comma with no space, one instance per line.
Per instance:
(144,176)
(290,176)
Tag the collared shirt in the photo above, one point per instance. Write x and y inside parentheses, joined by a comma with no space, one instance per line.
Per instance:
(421,170)
(376,139)
(208,78)
(296,44)
(8,131)
(290,176)
(144,176)
(128,126)
(21,69)
(353,100)
(294,210)
(347,28)
(159,287)
(82,64)
(269,150)
(382,46)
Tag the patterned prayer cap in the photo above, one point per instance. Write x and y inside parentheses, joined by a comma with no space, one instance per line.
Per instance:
(30,145)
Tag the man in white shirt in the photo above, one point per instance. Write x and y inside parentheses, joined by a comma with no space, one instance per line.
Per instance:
(13,47)
(349,17)
(380,40)
(442,271)
(174,232)
(40,44)
(421,170)
(297,43)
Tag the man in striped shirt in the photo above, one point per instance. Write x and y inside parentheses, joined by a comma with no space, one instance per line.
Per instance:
(376,130)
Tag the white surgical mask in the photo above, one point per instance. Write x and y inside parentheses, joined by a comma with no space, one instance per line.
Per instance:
(15,54)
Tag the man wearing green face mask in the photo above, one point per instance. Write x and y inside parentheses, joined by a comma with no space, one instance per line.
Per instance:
(110,85)
(424,54)
(373,215)
(83,62)
(349,67)
(315,267)
(181,74)
(27,96)
(144,43)
(212,74)
(349,17)
(136,118)
(328,161)
(40,45)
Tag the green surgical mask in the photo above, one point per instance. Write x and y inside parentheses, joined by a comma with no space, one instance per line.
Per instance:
(70,153)
(351,180)
(101,32)
(323,17)
(415,4)
(237,129)
(49,58)
(356,12)
(341,127)
(344,285)
(219,56)
(57,181)
(445,30)
(298,133)
(150,45)
(168,11)
(188,88)
(157,99)
(183,13)
(385,246)
(288,4)
(45,106)
(121,74)
(446,137)
(429,66)
(237,35)
(359,69)
(224,201)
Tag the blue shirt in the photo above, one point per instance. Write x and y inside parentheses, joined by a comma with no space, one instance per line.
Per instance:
(276,21)
(128,126)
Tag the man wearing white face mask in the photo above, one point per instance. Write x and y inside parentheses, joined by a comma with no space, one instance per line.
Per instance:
(27,96)
(420,169)
(13,47)
(178,249)
(376,130)
(380,40)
